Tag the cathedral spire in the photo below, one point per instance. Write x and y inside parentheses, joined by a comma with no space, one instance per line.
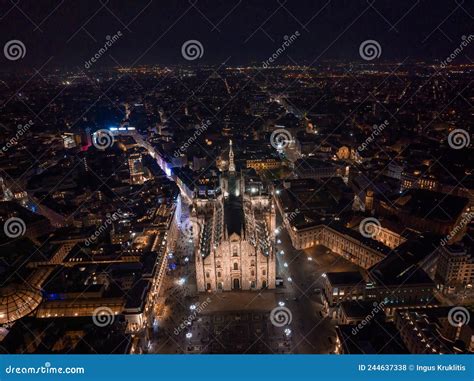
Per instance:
(231,158)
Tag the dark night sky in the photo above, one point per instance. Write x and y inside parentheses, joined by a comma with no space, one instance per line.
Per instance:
(157,29)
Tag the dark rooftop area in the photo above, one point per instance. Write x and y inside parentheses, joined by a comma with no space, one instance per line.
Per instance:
(433,205)
(345,278)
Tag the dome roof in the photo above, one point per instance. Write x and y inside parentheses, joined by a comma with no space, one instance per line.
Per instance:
(17,301)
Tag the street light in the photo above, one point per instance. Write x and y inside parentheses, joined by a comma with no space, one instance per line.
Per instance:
(181,281)
(281,304)
(310,258)
(287,331)
(192,307)
(285,264)
(189,335)
(290,279)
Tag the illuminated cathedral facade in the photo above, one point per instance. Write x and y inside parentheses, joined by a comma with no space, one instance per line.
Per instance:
(235,236)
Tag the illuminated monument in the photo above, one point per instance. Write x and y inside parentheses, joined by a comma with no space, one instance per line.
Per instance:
(235,234)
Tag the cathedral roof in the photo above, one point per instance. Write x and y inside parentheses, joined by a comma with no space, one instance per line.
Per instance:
(233,215)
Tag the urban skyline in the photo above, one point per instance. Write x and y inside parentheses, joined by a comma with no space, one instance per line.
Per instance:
(66,34)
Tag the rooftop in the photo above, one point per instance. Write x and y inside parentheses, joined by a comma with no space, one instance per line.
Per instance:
(17,301)
(432,205)
(345,278)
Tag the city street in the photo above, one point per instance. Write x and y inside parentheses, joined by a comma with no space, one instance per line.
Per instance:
(206,330)
(208,327)
(179,288)
(312,331)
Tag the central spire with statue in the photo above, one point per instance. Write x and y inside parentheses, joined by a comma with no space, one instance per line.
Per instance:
(231,157)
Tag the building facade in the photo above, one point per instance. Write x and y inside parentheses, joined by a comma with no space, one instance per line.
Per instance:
(351,287)
(235,233)
(454,269)
(343,241)
(428,331)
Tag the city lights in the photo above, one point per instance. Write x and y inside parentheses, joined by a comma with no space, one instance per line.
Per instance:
(238,179)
